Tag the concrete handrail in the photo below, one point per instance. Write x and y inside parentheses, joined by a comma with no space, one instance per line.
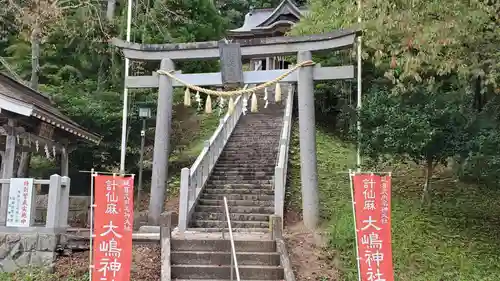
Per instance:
(193,179)
(280,170)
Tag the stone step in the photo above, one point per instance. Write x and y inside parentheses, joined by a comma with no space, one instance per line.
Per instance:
(221,280)
(203,216)
(250,203)
(231,181)
(220,245)
(243,172)
(251,159)
(226,191)
(251,272)
(239,186)
(260,152)
(267,134)
(235,224)
(224,258)
(240,177)
(234,196)
(235,209)
(238,166)
(246,150)
(217,230)
(250,162)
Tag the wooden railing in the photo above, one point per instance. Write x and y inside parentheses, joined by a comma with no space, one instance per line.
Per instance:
(282,159)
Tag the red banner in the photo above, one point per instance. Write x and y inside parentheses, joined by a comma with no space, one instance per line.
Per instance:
(113,226)
(372,197)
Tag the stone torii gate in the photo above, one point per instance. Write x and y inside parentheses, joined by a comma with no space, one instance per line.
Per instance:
(231,56)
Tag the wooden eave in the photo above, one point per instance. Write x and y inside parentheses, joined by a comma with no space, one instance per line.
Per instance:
(39,106)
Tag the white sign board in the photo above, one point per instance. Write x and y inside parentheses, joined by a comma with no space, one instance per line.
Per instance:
(19,211)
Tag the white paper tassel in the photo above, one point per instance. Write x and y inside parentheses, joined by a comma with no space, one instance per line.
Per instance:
(230,106)
(245,104)
(187,97)
(221,105)
(37,145)
(266,98)
(277,94)
(253,104)
(54,151)
(47,153)
(208,105)
(198,100)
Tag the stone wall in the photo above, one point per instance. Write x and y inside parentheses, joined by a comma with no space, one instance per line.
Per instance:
(77,214)
(27,249)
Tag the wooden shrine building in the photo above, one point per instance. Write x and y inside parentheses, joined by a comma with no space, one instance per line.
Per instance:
(264,23)
(29,122)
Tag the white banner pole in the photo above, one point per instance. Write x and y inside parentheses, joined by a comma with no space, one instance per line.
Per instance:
(351,174)
(92,205)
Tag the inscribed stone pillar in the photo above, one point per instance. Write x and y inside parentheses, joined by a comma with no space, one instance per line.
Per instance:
(8,169)
(162,143)
(307,130)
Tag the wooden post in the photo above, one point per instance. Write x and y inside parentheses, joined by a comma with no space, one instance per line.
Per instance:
(8,169)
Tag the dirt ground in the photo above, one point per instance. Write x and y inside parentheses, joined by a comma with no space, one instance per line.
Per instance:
(146,259)
(146,264)
(306,251)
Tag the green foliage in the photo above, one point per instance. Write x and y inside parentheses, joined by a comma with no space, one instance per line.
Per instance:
(84,74)
(456,239)
(420,125)
(429,73)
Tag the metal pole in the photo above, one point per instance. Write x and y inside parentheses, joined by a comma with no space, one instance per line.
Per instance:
(141,160)
(359,103)
(91,222)
(233,249)
(355,225)
(125,95)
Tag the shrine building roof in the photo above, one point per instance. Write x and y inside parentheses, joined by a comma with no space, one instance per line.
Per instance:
(20,100)
(269,21)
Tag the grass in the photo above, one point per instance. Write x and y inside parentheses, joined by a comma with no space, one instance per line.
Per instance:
(207,125)
(456,238)
(34,274)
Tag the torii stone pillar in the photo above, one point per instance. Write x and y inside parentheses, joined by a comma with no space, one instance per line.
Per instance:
(307,130)
(162,144)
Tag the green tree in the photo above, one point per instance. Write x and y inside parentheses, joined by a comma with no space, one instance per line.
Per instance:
(427,127)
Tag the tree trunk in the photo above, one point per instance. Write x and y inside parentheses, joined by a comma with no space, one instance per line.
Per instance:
(24,162)
(35,56)
(429,167)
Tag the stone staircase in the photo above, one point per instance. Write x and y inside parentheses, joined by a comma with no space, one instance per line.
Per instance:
(244,174)
(209,258)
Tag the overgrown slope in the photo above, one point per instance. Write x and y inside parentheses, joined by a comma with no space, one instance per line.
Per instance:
(456,239)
